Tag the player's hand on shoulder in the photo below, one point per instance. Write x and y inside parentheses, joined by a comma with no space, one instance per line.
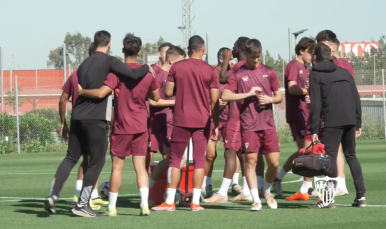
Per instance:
(151,70)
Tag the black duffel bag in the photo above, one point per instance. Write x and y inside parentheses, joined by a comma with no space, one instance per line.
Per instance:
(312,164)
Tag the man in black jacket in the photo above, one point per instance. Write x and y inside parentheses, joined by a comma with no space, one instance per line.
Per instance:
(335,100)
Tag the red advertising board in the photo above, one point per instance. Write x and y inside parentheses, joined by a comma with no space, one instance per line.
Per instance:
(358,48)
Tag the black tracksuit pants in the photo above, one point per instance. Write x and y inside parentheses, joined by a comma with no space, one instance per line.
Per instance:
(85,136)
(331,138)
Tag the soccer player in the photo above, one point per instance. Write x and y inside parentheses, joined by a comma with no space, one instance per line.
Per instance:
(162,49)
(196,89)
(70,94)
(89,123)
(253,85)
(162,114)
(211,152)
(330,39)
(130,123)
(297,112)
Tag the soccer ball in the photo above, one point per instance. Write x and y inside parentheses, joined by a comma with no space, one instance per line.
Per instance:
(104,190)
(179,198)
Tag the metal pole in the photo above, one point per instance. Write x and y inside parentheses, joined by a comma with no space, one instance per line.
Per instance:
(2,78)
(383,96)
(69,69)
(289,44)
(207,48)
(36,77)
(17,116)
(64,63)
(374,69)
(10,87)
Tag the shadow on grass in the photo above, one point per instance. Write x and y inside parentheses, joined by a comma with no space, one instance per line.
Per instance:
(36,207)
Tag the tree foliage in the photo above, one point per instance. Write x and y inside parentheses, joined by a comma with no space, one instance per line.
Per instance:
(149,48)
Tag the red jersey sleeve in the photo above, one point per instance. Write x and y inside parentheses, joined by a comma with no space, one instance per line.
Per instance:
(172,74)
(274,81)
(232,84)
(293,74)
(112,81)
(215,80)
(67,86)
(350,69)
(153,85)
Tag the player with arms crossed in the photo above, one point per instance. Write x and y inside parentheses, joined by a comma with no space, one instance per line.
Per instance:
(298,112)
(253,85)
(162,114)
(130,123)
(196,89)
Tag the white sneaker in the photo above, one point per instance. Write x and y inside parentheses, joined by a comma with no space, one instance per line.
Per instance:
(256,207)
(342,192)
(271,202)
(242,197)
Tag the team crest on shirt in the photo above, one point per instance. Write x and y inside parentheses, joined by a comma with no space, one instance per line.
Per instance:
(245,78)
(265,76)
(246,145)
(226,141)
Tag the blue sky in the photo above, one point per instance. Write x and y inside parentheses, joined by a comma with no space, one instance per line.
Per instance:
(29,29)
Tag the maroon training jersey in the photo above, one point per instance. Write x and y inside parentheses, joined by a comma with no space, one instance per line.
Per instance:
(71,87)
(130,112)
(253,116)
(343,64)
(193,79)
(223,118)
(234,113)
(161,78)
(296,106)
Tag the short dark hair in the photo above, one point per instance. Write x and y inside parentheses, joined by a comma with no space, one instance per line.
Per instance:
(304,44)
(102,38)
(220,51)
(131,45)
(175,51)
(322,53)
(163,45)
(196,43)
(253,46)
(241,42)
(91,49)
(326,35)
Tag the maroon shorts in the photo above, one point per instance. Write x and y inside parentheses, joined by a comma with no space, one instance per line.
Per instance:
(222,129)
(148,133)
(300,130)
(158,137)
(232,136)
(264,141)
(180,140)
(124,145)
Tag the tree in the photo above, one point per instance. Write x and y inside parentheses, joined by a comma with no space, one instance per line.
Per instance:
(76,51)
(149,48)
(11,99)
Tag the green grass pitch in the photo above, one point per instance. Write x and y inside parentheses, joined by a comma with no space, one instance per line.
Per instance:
(25,180)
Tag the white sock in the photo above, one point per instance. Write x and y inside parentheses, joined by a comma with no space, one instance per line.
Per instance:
(246,190)
(94,194)
(78,187)
(151,182)
(112,200)
(281,174)
(305,186)
(224,186)
(267,187)
(342,183)
(144,192)
(52,186)
(208,181)
(170,195)
(255,196)
(235,179)
(260,182)
(204,182)
(196,196)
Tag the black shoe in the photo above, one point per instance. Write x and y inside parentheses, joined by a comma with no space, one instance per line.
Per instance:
(84,211)
(361,203)
(321,205)
(277,187)
(50,204)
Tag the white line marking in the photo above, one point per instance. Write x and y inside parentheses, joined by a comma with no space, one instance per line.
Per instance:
(371,206)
